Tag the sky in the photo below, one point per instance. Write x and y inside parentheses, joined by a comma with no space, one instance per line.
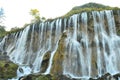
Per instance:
(17,11)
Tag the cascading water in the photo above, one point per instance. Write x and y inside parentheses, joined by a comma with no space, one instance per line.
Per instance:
(106,47)
(2,44)
(92,45)
(77,62)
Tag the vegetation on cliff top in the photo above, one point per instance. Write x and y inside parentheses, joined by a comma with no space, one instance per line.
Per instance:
(78,9)
(13,30)
(36,19)
(89,7)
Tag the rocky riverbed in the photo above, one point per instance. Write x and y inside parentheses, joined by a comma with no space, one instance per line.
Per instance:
(38,76)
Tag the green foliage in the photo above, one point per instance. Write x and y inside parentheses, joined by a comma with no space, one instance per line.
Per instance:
(15,28)
(34,12)
(43,19)
(79,9)
(2,31)
(89,7)
(36,15)
(86,8)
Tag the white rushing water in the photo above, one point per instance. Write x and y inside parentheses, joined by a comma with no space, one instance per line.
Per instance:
(2,43)
(77,62)
(92,46)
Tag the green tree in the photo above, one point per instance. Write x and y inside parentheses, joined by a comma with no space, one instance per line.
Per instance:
(14,28)
(43,19)
(36,16)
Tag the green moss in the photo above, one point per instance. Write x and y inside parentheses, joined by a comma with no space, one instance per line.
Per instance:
(46,77)
(41,78)
(57,68)
(45,62)
(13,30)
(7,70)
(118,32)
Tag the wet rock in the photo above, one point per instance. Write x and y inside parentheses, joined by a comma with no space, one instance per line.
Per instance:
(107,76)
(45,62)
(63,77)
(5,53)
(6,58)
(29,77)
(116,76)
(21,70)
(21,78)
(46,77)
(91,79)
(57,67)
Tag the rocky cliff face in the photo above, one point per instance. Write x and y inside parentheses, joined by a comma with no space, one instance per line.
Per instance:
(82,46)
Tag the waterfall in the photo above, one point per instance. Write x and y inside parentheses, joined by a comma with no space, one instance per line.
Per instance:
(92,46)
(2,43)
(77,62)
(18,54)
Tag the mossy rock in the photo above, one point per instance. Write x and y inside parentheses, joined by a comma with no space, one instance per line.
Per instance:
(45,62)
(7,70)
(118,32)
(58,58)
(37,76)
(46,77)
(42,77)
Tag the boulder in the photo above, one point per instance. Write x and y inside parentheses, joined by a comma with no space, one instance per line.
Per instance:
(45,62)
(116,76)
(7,69)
